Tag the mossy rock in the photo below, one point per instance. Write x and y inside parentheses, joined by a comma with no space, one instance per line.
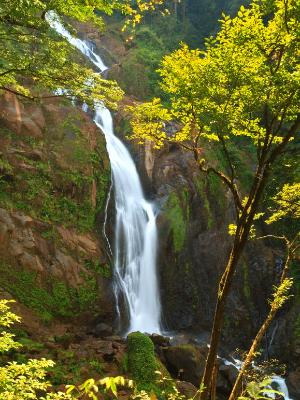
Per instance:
(142,362)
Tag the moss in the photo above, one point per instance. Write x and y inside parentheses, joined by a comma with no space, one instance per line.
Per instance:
(124,364)
(202,191)
(59,189)
(246,286)
(177,212)
(101,269)
(297,328)
(97,366)
(68,367)
(142,362)
(54,300)
(29,345)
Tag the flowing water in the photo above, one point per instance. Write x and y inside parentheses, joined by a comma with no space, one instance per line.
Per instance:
(135,244)
(278,383)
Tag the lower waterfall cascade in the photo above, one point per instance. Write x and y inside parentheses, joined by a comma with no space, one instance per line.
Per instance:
(135,245)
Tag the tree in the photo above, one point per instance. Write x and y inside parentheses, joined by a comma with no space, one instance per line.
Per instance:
(244,89)
(35,59)
(286,205)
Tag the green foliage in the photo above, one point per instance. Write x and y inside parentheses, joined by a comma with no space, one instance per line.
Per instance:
(281,294)
(219,94)
(97,366)
(259,391)
(177,213)
(55,300)
(138,75)
(287,203)
(142,363)
(148,122)
(90,388)
(21,381)
(7,318)
(124,364)
(101,269)
(188,21)
(34,52)
(59,194)
(30,345)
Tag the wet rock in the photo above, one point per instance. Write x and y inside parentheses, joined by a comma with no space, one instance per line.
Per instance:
(102,330)
(187,389)
(293,382)
(186,362)
(160,340)
(229,372)
(116,338)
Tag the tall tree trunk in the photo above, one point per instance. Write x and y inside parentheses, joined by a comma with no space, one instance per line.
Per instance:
(266,160)
(223,290)
(251,353)
(241,237)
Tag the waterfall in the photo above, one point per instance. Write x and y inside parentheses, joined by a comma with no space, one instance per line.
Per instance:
(135,245)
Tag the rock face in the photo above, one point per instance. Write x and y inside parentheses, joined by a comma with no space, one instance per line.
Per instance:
(293,382)
(194,245)
(54,178)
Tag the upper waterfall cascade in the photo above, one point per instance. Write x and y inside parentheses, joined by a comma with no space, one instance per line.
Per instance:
(135,245)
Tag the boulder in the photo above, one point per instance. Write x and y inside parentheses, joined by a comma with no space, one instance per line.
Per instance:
(102,330)
(229,372)
(293,382)
(186,362)
(160,340)
(187,389)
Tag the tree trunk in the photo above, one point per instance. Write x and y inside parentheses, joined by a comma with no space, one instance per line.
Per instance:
(251,354)
(223,290)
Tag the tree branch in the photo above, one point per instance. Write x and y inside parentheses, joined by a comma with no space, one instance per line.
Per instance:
(228,182)
(32,97)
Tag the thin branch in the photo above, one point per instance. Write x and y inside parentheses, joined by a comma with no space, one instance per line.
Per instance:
(33,97)
(228,182)
(25,24)
(272,237)
(9,71)
(278,150)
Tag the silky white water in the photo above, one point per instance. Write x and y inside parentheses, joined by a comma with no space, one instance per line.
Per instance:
(277,381)
(135,245)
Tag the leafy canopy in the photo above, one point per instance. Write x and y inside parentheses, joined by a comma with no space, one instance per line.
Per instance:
(34,58)
(246,83)
(287,203)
